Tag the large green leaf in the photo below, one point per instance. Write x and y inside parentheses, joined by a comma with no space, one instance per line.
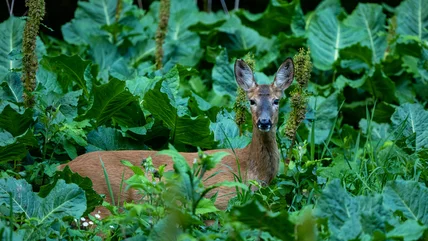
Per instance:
(326,35)
(12,89)
(412,19)
(88,20)
(63,200)
(10,40)
(223,76)
(14,122)
(349,217)
(408,197)
(380,85)
(181,45)
(239,39)
(415,120)
(109,100)
(109,139)
(326,110)
(409,230)
(368,22)
(226,131)
(256,216)
(69,70)
(276,18)
(184,129)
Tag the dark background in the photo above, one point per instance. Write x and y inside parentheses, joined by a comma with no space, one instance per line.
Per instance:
(59,12)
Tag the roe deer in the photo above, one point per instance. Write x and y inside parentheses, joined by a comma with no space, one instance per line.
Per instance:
(258,161)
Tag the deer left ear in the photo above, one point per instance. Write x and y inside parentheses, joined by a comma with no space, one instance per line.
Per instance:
(285,75)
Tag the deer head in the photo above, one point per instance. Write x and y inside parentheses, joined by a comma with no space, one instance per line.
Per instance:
(264,99)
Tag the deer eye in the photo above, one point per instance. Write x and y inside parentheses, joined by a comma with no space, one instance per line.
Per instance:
(276,101)
(252,102)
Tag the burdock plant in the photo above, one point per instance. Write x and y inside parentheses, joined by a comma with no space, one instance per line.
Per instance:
(240,106)
(298,100)
(161,31)
(36,11)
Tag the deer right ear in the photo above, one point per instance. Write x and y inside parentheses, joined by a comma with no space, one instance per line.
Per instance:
(285,74)
(244,75)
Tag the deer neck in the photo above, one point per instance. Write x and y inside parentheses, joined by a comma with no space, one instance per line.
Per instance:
(263,156)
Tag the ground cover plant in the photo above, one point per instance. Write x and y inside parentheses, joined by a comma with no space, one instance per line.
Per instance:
(355,168)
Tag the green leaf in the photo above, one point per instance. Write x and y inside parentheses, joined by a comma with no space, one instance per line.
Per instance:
(256,216)
(184,129)
(348,217)
(15,122)
(223,76)
(12,89)
(412,19)
(368,22)
(410,230)
(415,119)
(239,39)
(326,36)
(276,18)
(205,206)
(326,110)
(109,99)
(69,70)
(181,45)
(23,199)
(63,200)
(341,82)
(408,197)
(226,131)
(10,40)
(380,85)
(88,20)
(106,138)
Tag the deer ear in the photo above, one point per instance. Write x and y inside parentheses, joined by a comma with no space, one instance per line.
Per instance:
(244,75)
(285,75)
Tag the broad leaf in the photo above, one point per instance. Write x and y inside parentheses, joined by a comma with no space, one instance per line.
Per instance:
(326,35)
(15,122)
(108,139)
(88,20)
(10,40)
(408,197)
(69,70)
(412,19)
(223,76)
(184,129)
(368,22)
(109,99)
(256,216)
(415,120)
(326,110)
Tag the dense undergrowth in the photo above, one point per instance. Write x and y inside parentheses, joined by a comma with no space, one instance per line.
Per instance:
(359,168)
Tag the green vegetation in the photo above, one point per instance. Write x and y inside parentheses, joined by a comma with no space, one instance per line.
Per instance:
(359,165)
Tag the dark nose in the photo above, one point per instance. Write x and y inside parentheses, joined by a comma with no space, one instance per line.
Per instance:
(264,124)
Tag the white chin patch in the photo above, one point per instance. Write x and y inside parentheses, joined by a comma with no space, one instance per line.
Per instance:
(263,129)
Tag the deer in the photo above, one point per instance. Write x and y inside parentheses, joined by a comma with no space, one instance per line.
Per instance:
(258,161)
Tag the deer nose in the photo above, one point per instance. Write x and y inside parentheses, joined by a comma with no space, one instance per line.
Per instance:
(264,125)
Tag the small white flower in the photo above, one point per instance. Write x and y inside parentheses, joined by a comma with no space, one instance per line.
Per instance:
(97,216)
(91,223)
(75,220)
(195,160)
(82,219)
(85,224)
(111,226)
(99,211)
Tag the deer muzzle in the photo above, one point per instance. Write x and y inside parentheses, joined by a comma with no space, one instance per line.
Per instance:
(264,125)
